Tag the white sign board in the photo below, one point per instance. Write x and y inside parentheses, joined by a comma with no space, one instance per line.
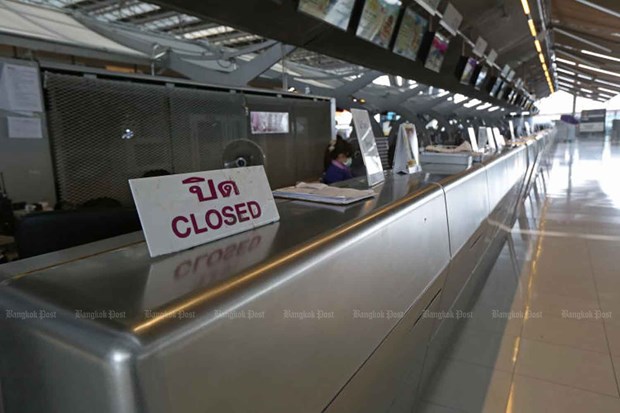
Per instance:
(452,19)
(19,127)
(429,5)
(480,47)
(181,211)
(471,132)
(407,152)
(490,140)
(20,88)
(492,56)
(368,146)
(499,138)
(592,127)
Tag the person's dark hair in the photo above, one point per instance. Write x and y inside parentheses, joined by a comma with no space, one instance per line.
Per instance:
(155,172)
(335,148)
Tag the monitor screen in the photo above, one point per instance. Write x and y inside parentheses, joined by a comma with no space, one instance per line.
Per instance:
(410,34)
(378,21)
(496,87)
(437,52)
(334,12)
(479,77)
(468,70)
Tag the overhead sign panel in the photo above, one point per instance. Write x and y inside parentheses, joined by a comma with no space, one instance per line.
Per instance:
(181,211)
(378,21)
(429,5)
(480,46)
(451,19)
(410,35)
(334,12)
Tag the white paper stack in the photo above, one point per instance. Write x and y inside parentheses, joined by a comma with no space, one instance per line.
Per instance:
(323,193)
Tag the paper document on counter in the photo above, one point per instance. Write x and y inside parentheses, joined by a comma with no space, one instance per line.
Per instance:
(323,193)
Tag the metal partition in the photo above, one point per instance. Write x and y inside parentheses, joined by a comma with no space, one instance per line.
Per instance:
(105,131)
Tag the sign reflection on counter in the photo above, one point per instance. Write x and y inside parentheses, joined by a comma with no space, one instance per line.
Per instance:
(182,211)
(173,277)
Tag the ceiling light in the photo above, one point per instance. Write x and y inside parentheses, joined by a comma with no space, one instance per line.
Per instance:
(582,40)
(537,44)
(599,8)
(607,72)
(607,83)
(586,90)
(603,56)
(566,71)
(609,90)
(526,6)
(541,57)
(568,62)
(566,79)
(532,27)
(493,109)
(584,76)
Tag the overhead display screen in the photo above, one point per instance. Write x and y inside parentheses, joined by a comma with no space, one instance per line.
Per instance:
(334,12)
(410,34)
(468,71)
(437,53)
(497,86)
(482,76)
(378,21)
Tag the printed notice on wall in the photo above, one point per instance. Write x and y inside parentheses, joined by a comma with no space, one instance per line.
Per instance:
(20,88)
(269,122)
(24,128)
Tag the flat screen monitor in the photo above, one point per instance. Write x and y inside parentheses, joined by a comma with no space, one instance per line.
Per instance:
(465,72)
(497,86)
(437,52)
(378,21)
(410,34)
(335,12)
(479,77)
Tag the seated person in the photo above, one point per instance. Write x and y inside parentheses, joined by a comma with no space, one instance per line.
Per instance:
(338,161)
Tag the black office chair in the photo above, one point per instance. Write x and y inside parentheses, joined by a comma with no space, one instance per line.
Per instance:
(43,232)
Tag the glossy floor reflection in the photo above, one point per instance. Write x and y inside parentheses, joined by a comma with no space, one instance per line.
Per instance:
(545,331)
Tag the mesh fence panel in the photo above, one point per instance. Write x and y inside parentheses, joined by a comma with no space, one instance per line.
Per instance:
(88,118)
(177,129)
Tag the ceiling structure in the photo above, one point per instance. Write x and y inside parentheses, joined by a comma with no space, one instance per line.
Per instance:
(586,37)
(324,60)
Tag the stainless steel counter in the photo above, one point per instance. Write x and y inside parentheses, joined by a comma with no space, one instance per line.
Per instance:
(302,315)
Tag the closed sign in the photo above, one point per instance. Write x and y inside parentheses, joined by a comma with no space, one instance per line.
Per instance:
(181,211)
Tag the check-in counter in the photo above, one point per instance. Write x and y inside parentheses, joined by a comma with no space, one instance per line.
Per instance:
(325,310)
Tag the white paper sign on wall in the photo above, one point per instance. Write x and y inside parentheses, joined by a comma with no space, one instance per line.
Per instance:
(181,211)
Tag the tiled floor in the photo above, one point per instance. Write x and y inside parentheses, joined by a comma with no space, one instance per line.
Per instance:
(545,332)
